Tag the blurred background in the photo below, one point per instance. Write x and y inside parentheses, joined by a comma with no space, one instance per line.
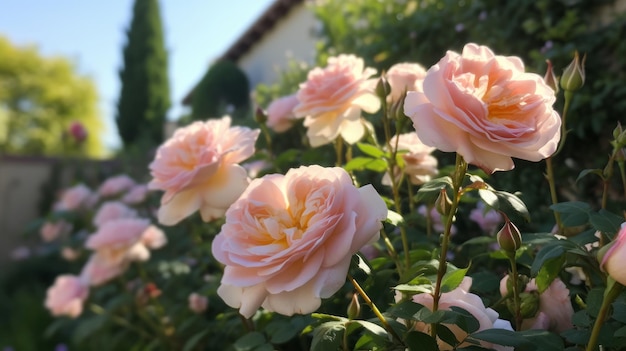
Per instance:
(90,89)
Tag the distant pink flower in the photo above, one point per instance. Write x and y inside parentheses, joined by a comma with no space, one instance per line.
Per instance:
(488,220)
(21,253)
(555,306)
(280,115)
(254,168)
(198,168)
(74,198)
(332,98)
(615,257)
(419,164)
(136,195)
(115,185)
(78,132)
(198,303)
(51,231)
(435,219)
(119,240)
(111,210)
(67,296)
(462,298)
(486,108)
(288,240)
(404,77)
(153,237)
(99,269)
(70,254)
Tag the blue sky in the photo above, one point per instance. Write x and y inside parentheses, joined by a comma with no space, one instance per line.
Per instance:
(92,34)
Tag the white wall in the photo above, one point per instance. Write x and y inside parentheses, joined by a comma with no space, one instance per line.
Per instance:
(291,38)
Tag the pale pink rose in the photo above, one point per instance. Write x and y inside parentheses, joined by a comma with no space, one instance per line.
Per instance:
(99,269)
(77,131)
(280,115)
(116,240)
(614,259)
(288,240)
(485,108)
(435,218)
(332,98)
(67,296)
(136,195)
(198,168)
(462,298)
(404,77)
(74,198)
(555,306)
(419,164)
(51,231)
(488,220)
(153,237)
(70,254)
(115,185)
(112,210)
(198,303)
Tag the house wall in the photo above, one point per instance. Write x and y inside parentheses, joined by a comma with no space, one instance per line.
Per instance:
(291,38)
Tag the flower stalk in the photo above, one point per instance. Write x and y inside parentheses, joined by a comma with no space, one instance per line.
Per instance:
(611,293)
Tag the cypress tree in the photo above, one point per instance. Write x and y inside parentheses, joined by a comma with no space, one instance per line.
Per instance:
(144,97)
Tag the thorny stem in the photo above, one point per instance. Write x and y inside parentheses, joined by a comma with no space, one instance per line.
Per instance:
(375,309)
(460,169)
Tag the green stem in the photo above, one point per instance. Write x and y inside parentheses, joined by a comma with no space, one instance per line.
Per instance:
(622,172)
(375,309)
(568,100)
(121,321)
(553,195)
(392,250)
(516,298)
(457,180)
(268,138)
(609,296)
(339,151)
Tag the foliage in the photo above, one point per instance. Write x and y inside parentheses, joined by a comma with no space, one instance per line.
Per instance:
(40,97)
(224,89)
(144,97)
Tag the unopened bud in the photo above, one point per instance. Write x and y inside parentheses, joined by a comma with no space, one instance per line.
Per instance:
(620,136)
(573,76)
(509,237)
(260,116)
(529,304)
(443,204)
(550,79)
(354,308)
(382,87)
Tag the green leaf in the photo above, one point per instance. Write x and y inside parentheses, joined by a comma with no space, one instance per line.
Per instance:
(410,288)
(372,328)
(370,150)
(404,310)
(281,331)
(573,213)
(585,172)
(606,222)
(452,280)
(249,341)
(359,163)
(548,272)
(328,336)
(511,204)
(89,326)
(541,340)
(194,340)
(464,319)
(359,262)
(429,191)
(394,218)
(446,335)
(500,337)
(489,197)
(418,341)
(549,252)
(620,333)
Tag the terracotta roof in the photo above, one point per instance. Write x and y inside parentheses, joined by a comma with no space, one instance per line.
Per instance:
(253,34)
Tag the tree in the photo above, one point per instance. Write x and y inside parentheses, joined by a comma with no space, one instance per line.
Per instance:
(144,97)
(40,98)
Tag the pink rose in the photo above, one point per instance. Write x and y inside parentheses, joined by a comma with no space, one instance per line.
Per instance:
(153,238)
(435,219)
(485,108)
(136,195)
(404,77)
(119,240)
(78,132)
(50,231)
(66,296)
(613,260)
(555,307)
(198,168)
(419,164)
(332,98)
(112,210)
(288,240)
(280,115)
(74,198)
(197,302)
(256,167)
(462,298)
(70,254)
(488,220)
(99,269)
(113,186)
